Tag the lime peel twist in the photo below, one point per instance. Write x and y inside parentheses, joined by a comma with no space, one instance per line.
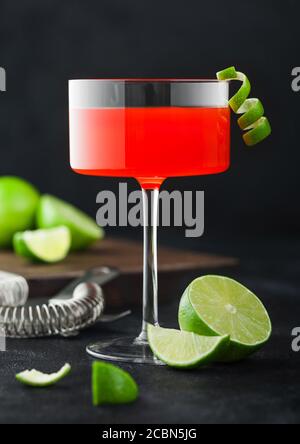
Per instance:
(252,120)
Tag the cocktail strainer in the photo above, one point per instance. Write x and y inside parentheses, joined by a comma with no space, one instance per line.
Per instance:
(78,306)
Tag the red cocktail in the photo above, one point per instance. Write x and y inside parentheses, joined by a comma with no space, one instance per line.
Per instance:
(150,143)
(150,130)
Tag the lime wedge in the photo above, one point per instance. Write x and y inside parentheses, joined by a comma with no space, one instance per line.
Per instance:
(53,212)
(252,120)
(216,305)
(185,350)
(35,378)
(112,385)
(47,246)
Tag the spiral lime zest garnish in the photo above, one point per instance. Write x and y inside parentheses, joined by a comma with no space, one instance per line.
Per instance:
(252,120)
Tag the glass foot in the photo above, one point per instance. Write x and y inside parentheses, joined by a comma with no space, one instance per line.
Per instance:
(124,349)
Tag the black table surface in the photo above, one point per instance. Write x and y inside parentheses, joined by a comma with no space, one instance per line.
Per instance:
(262,389)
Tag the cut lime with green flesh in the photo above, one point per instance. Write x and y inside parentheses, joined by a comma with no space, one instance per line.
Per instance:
(216,305)
(35,378)
(53,212)
(112,385)
(185,350)
(47,246)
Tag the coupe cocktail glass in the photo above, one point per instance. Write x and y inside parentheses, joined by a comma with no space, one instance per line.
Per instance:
(149,129)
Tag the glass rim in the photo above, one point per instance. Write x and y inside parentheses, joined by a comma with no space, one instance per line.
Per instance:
(150,80)
(95,93)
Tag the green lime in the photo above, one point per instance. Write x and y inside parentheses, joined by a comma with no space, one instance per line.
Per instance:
(185,350)
(112,385)
(258,132)
(53,212)
(252,120)
(216,305)
(35,378)
(18,204)
(238,100)
(49,245)
(252,110)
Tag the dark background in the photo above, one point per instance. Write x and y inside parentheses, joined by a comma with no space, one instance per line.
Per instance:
(252,211)
(43,44)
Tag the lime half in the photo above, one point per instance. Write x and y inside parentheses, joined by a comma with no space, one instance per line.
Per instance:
(216,305)
(185,350)
(112,385)
(53,212)
(48,246)
(35,378)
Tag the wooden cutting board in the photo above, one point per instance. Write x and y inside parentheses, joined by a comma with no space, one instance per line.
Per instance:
(175,267)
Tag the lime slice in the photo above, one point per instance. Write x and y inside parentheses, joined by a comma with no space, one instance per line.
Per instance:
(47,246)
(53,212)
(35,378)
(112,385)
(216,305)
(258,127)
(185,350)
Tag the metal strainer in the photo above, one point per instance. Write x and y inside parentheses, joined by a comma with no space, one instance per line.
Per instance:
(79,305)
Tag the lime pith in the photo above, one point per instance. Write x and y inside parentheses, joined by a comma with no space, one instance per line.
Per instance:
(216,305)
(35,378)
(181,349)
(252,121)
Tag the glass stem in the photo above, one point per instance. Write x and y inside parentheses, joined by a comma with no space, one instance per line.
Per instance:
(150,279)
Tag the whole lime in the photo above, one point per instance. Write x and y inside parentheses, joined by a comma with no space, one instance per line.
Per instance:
(18,204)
